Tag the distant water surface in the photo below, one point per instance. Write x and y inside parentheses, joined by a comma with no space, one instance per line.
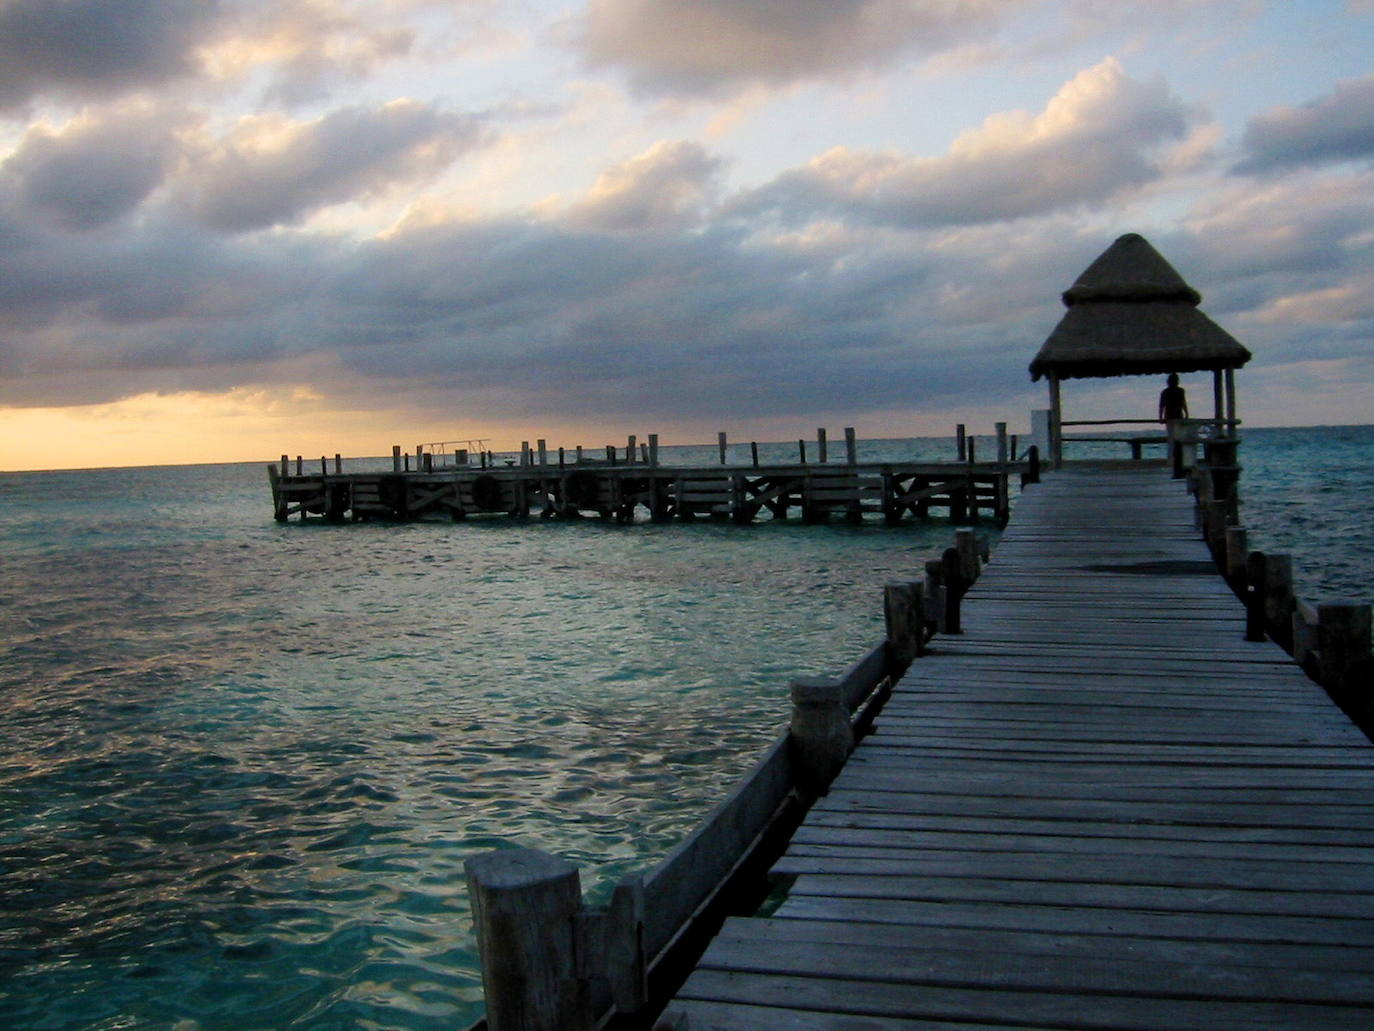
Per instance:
(242,763)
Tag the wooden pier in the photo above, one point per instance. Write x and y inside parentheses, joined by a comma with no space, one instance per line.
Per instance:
(816,492)
(1100,806)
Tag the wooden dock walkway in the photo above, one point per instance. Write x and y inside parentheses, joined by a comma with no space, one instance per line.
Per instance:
(1099,807)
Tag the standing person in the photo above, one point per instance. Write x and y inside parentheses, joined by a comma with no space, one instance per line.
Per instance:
(1173,404)
(1173,401)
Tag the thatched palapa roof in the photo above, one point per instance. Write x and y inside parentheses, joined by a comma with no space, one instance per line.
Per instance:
(1130,313)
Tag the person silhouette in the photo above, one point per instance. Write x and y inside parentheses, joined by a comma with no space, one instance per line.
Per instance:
(1173,401)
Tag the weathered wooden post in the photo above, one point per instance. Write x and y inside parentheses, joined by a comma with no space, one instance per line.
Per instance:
(851,446)
(801,451)
(1032,465)
(966,544)
(630,450)
(524,905)
(961,442)
(338,463)
(300,466)
(904,613)
(951,577)
(429,461)
(821,451)
(754,452)
(972,449)
(1237,550)
(1001,443)
(720,442)
(1278,598)
(543,452)
(653,450)
(821,735)
(1343,643)
(1256,592)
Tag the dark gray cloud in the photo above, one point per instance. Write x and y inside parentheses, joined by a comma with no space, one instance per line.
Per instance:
(1333,128)
(87,48)
(1097,138)
(713,46)
(272,172)
(95,170)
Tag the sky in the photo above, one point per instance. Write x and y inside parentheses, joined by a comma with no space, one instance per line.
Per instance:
(232,229)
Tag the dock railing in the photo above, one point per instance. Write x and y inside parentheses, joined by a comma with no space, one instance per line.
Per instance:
(1330,640)
(551,962)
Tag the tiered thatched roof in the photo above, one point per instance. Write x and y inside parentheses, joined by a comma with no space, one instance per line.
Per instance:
(1130,313)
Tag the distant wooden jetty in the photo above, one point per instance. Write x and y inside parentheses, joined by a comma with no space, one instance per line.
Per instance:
(625,484)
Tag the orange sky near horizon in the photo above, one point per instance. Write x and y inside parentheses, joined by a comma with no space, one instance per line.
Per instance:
(261,425)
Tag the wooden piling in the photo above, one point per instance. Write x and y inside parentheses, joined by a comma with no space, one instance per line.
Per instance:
(821,451)
(720,442)
(904,615)
(395,458)
(1001,443)
(653,450)
(851,446)
(524,905)
(820,733)
(961,442)
(1278,598)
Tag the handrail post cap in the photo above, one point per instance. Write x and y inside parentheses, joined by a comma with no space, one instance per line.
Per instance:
(816,691)
(511,869)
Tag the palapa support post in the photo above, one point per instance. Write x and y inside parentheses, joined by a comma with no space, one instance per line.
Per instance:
(820,732)
(525,905)
(904,615)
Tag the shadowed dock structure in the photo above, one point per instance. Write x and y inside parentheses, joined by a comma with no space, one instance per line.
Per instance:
(1100,806)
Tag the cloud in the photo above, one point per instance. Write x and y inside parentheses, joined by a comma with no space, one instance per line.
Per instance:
(96,169)
(666,187)
(1094,140)
(308,47)
(271,170)
(87,48)
(1334,128)
(709,47)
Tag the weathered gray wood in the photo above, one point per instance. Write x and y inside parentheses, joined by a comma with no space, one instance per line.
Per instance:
(524,905)
(820,732)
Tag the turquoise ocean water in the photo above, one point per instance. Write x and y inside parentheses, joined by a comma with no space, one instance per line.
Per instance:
(241,764)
